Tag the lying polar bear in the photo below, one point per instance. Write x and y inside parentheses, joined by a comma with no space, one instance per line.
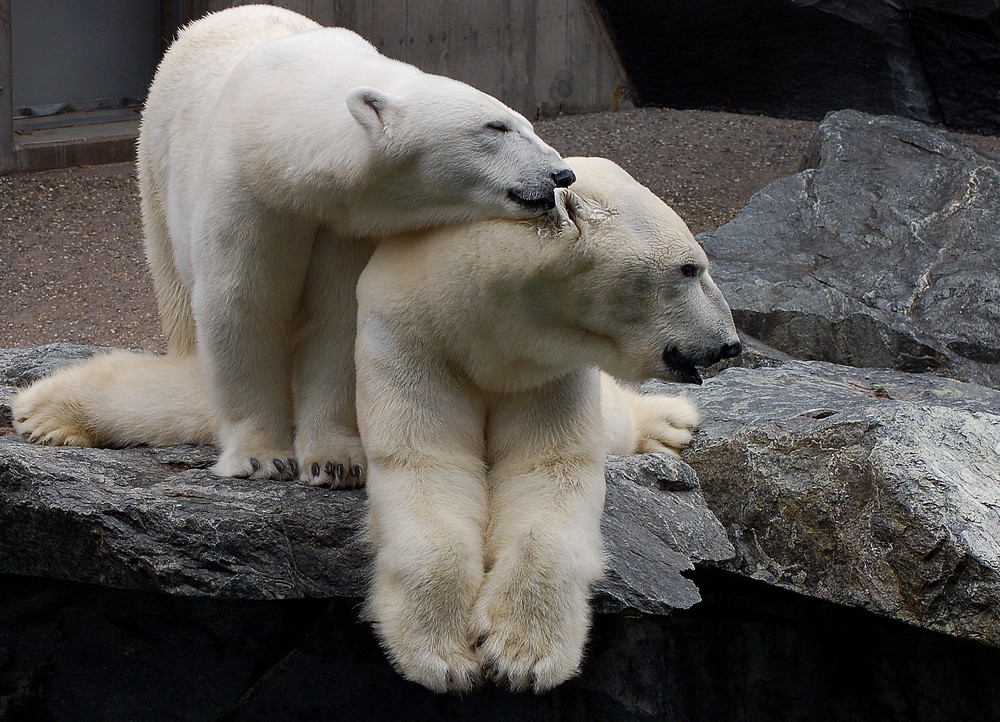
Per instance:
(483,415)
(272,152)
(486,422)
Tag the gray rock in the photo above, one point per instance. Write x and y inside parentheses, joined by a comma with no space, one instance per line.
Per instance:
(870,488)
(156,519)
(886,254)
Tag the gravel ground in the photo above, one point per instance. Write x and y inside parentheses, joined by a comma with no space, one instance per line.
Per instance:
(71,260)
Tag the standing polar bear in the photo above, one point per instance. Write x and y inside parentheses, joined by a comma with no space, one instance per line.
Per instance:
(484,417)
(272,153)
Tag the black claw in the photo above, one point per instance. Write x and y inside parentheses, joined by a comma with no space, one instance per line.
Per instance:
(293,464)
(339,473)
(278,465)
(328,468)
(254,464)
(356,470)
(314,469)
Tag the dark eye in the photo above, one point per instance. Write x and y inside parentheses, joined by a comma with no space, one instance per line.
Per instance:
(690,270)
(499,126)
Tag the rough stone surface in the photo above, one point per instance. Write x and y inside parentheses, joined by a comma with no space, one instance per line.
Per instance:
(871,488)
(885,254)
(156,519)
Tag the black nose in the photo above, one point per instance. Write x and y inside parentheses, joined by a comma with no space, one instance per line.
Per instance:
(564,178)
(732,350)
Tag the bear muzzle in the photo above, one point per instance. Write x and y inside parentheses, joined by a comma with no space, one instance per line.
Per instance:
(543,198)
(684,369)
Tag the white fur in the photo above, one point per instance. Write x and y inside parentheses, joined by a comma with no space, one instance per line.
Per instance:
(486,422)
(272,152)
(484,417)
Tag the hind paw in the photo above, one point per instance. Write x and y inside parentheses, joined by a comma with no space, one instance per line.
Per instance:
(41,418)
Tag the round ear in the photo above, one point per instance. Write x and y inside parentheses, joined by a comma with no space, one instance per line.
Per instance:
(572,211)
(372,108)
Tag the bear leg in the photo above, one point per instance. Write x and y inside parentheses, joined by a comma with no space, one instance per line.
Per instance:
(543,544)
(250,266)
(327,443)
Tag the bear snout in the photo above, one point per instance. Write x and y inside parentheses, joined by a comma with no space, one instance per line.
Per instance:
(564,178)
(731,350)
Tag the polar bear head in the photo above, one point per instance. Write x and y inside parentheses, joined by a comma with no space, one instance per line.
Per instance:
(610,277)
(625,272)
(462,153)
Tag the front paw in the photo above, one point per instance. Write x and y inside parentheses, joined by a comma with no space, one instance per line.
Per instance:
(277,464)
(441,665)
(423,622)
(533,614)
(524,646)
(663,423)
(340,465)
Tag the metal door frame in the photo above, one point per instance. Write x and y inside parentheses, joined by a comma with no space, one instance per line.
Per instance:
(8,160)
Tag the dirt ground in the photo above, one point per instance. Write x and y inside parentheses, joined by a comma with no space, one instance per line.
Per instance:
(72,266)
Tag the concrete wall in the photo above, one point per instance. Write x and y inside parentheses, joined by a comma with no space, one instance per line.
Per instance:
(541,57)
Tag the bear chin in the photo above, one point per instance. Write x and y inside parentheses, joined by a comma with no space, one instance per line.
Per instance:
(680,368)
(534,205)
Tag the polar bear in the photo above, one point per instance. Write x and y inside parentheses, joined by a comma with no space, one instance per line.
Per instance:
(483,414)
(486,422)
(272,153)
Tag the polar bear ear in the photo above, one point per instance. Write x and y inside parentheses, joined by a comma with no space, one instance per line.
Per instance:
(573,211)
(370,107)
(567,212)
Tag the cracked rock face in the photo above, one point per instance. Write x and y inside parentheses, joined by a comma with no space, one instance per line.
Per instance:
(885,254)
(871,488)
(156,519)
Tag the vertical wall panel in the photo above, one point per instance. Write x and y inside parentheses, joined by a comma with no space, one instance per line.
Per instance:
(541,57)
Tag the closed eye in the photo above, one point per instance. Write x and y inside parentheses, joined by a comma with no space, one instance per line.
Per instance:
(499,126)
(690,270)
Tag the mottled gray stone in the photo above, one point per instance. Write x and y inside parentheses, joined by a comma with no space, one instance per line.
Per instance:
(886,254)
(865,487)
(156,519)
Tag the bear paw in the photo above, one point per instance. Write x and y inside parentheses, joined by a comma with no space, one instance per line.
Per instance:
(277,464)
(41,418)
(338,466)
(663,423)
(526,651)
(454,669)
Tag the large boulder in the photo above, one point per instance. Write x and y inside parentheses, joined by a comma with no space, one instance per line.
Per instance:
(866,487)
(884,254)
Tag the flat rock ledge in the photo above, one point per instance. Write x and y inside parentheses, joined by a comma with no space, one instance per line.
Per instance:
(134,583)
